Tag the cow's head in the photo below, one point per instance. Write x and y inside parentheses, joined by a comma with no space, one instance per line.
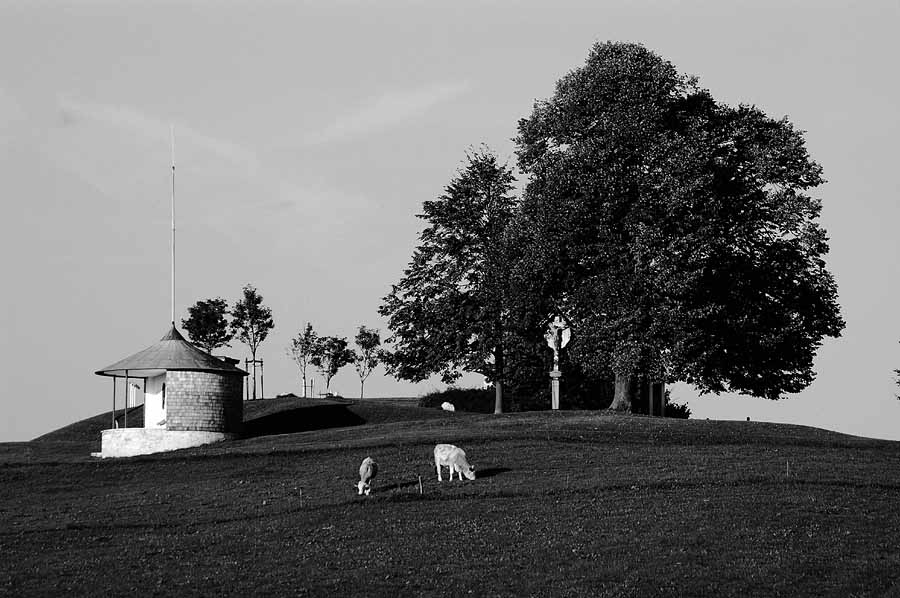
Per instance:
(469,472)
(363,488)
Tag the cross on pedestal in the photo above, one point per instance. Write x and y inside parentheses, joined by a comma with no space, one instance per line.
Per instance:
(558,335)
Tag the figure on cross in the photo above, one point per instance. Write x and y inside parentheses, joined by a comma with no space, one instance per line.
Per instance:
(558,335)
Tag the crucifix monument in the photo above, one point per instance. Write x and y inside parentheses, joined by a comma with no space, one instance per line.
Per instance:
(558,335)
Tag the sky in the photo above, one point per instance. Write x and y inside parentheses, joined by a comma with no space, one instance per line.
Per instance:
(308,134)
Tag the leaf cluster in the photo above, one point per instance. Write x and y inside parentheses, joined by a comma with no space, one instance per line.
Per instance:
(251,320)
(677,230)
(446,315)
(207,324)
(330,354)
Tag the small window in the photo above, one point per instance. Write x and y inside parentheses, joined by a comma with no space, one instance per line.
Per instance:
(164,396)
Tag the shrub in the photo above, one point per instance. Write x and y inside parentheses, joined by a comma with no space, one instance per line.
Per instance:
(479,400)
(677,410)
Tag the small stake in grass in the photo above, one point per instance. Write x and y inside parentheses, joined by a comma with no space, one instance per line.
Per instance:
(420,485)
(788,470)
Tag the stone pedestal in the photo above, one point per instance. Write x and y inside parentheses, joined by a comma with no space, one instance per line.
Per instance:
(555,375)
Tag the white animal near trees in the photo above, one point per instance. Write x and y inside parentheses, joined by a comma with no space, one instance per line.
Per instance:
(453,457)
(447,406)
(367,472)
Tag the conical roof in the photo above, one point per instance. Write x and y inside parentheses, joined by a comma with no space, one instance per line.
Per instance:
(172,352)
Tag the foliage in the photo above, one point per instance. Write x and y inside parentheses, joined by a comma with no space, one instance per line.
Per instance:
(206,324)
(448,314)
(678,410)
(478,400)
(301,351)
(251,321)
(675,232)
(330,354)
(368,356)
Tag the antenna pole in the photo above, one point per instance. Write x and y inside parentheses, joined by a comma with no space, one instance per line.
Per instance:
(173,225)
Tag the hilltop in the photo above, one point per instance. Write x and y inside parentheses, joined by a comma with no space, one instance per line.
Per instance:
(566,503)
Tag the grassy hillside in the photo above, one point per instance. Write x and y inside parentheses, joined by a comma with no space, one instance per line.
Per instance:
(565,504)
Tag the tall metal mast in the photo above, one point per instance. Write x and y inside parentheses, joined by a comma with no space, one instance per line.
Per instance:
(173,225)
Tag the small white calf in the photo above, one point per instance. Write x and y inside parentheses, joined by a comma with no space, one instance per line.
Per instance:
(367,472)
(447,406)
(453,457)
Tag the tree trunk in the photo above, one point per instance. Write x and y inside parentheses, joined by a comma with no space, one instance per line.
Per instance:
(362,384)
(627,387)
(498,380)
(304,385)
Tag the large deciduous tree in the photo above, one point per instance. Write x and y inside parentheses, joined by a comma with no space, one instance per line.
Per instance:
(207,325)
(302,349)
(678,231)
(368,354)
(330,355)
(251,322)
(448,312)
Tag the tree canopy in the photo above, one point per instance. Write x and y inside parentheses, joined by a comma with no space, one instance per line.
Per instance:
(302,349)
(368,354)
(207,325)
(251,322)
(447,314)
(330,355)
(676,232)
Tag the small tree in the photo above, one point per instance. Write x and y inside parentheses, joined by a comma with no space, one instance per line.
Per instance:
(251,322)
(301,351)
(368,356)
(206,324)
(330,355)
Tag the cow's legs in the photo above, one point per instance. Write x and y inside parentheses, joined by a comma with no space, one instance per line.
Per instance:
(436,464)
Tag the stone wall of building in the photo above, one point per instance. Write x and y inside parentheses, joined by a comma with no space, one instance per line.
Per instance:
(129,442)
(203,401)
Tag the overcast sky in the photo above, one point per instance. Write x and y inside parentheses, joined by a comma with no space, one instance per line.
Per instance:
(310,133)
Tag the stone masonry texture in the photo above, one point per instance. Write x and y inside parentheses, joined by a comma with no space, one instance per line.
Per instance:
(204,401)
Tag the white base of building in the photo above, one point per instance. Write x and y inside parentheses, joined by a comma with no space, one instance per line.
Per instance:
(129,442)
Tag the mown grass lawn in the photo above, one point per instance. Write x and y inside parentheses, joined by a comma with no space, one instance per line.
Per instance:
(566,504)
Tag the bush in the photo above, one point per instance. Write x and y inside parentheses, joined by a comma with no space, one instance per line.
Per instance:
(479,400)
(677,410)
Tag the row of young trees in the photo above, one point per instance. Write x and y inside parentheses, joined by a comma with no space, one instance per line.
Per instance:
(330,353)
(676,233)
(208,327)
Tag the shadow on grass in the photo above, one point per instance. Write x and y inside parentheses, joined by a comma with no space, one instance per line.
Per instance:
(398,486)
(302,419)
(490,472)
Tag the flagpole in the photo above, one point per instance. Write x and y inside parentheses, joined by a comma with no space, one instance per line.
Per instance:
(173,225)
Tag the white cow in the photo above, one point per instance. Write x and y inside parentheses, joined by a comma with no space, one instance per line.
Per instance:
(454,458)
(447,406)
(367,472)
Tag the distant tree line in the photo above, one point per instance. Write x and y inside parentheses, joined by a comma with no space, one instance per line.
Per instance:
(331,353)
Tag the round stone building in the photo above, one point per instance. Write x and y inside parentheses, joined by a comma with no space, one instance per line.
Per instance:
(190,398)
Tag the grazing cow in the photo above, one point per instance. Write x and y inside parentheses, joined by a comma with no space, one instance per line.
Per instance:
(367,472)
(454,458)
(446,406)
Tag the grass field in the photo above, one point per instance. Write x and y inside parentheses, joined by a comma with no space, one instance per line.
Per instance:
(565,504)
